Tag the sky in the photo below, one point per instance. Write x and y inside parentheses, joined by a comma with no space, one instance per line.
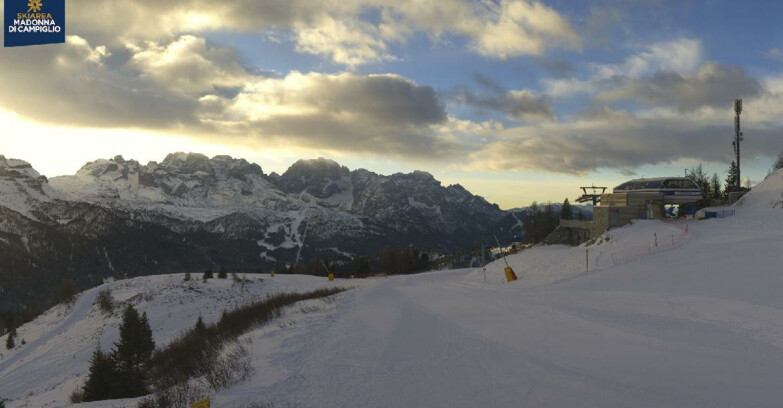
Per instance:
(516,100)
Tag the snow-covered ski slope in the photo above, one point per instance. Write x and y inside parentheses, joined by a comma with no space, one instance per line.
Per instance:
(697,323)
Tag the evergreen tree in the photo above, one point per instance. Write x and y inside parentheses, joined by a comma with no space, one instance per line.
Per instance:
(200,327)
(222,273)
(424,262)
(530,222)
(715,185)
(778,164)
(207,274)
(132,353)
(549,221)
(566,211)
(731,178)
(187,276)
(102,381)
(10,341)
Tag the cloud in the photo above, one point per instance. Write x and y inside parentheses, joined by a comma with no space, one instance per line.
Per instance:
(381,114)
(196,89)
(335,29)
(188,86)
(617,139)
(346,42)
(774,53)
(188,66)
(680,56)
(688,116)
(558,68)
(670,73)
(523,28)
(515,104)
(712,85)
(489,83)
(72,84)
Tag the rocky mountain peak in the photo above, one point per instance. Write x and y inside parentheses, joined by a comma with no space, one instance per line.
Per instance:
(15,168)
(197,164)
(114,168)
(21,186)
(187,163)
(319,177)
(319,166)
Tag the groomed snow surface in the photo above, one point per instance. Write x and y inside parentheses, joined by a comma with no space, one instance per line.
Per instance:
(695,322)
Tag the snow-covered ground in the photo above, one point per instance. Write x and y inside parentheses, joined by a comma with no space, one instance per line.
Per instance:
(696,321)
(54,360)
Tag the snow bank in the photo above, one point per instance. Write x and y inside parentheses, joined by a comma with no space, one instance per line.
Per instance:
(764,196)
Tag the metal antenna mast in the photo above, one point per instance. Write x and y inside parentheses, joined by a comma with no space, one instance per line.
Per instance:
(737,138)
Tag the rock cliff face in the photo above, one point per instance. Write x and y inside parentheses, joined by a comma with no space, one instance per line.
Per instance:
(120,217)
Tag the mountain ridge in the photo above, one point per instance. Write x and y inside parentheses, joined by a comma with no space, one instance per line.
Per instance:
(120,217)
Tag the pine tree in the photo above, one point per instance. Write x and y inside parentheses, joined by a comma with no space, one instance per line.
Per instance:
(132,353)
(566,211)
(731,178)
(424,261)
(549,220)
(102,382)
(778,164)
(531,221)
(716,187)
(222,273)
(200,327)
(207,274)
(10,341)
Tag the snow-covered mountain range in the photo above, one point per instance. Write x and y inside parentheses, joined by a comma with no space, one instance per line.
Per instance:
(188,212)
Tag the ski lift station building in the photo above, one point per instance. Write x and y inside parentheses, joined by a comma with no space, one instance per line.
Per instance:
(640,198)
